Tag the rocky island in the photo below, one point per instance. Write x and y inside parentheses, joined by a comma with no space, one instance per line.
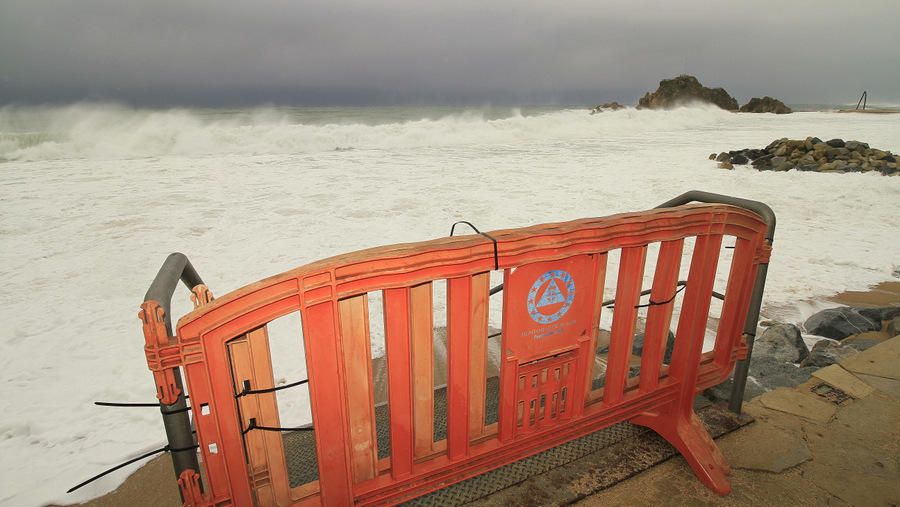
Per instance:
(685,89)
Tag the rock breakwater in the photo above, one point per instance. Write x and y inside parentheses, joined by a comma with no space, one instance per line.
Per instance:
(812,154)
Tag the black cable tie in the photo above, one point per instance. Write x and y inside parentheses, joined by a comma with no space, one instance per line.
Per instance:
(486,235)
(190,448)
(660,303)
(128,462)
(253,426)
(141,405)
(131,404)
(178,411)
(125,404)
(247,391)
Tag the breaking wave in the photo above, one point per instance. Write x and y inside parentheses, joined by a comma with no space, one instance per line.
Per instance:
(110,131)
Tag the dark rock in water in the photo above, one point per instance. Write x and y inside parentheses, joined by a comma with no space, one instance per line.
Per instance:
(839,323)
(712,156)
(765,105)
(856,146)
(763,162)
(725,165)
(754,154)
(775,144)
(782,342)
(685,89)
(777,162)
(814,155)
(826,352)
(739,159)
(879,314)
(608,106)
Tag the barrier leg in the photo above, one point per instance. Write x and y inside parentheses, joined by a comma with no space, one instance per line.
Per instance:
(684,430)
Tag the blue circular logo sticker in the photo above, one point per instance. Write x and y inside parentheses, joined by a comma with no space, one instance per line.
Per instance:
(551,296)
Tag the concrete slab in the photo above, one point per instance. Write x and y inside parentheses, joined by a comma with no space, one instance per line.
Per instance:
(889,387)
(882,360)
(799,404)
(838,377)
(783,450)
(855,456)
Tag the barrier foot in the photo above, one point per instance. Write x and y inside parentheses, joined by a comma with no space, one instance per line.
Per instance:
(684,430)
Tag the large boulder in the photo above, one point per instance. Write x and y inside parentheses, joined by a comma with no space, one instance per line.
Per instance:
(880,314)
(827,352)
(685,89)
(839,323)
(782,342)
(766,373)
(765,105)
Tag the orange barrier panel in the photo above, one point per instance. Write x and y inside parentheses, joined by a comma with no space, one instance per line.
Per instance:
(554,277)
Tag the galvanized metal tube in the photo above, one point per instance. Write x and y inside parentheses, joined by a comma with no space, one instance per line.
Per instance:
(742,368)
(178,428)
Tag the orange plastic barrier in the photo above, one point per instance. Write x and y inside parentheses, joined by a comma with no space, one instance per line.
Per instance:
(554,277)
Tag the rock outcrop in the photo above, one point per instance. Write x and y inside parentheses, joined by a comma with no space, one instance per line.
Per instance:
(782,342)
(686,89)
(607,106)
(813,154)
(765,105)
(839,323)
(826,352)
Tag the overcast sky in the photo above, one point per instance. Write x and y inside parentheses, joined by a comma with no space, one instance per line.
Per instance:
(240,52)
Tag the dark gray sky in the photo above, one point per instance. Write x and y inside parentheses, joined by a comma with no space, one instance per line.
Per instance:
(239,52)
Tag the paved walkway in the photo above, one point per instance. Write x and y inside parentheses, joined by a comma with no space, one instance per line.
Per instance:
(834,440)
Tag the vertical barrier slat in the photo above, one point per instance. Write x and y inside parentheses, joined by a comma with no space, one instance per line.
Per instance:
(694,315)
(397,342)
(659,317)
(459,299)
(422,328)
(327,393)
(481,286)
(595,326)
(628,292)
(354,318)
(737,295)
(251,361)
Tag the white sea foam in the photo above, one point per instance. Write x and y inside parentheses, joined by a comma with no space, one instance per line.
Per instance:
(112,132)
(93,197)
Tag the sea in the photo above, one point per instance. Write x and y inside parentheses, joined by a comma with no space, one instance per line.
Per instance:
(94,196)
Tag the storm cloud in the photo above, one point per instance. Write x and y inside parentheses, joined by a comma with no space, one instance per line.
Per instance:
(229,52)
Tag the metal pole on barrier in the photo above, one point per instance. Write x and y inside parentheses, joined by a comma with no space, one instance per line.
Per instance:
(176,419)
(742,369)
